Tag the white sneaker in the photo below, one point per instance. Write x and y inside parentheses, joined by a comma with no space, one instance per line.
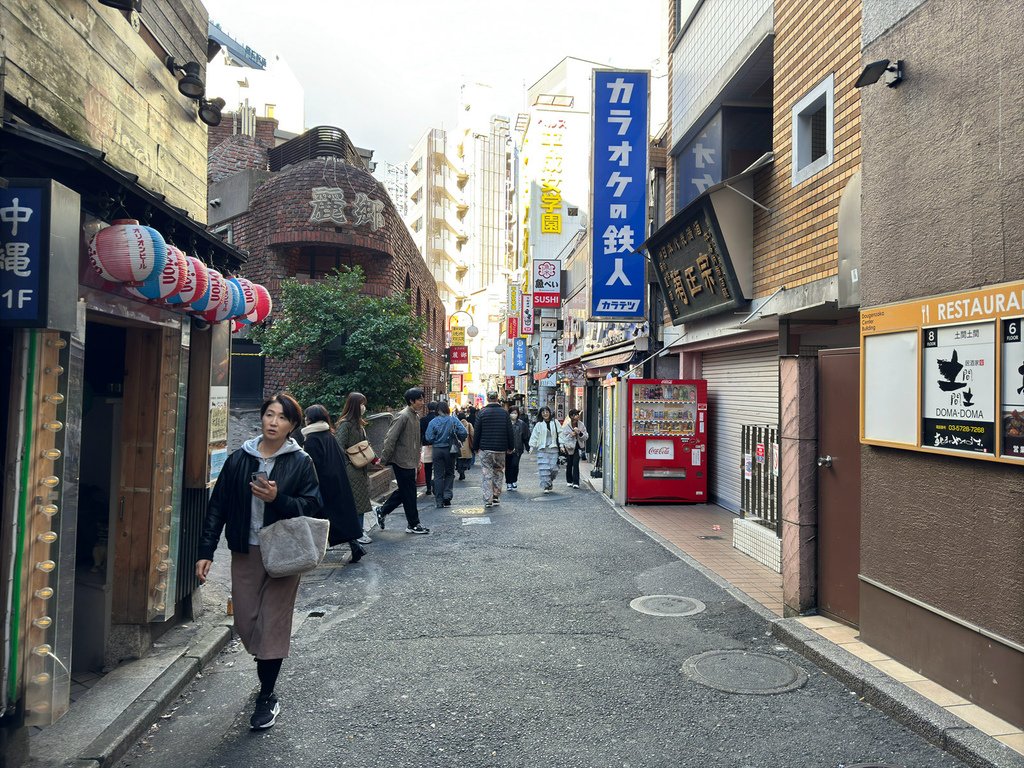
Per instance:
(575,485)
(509,486)
(364,539)
(568,485)
(547,490)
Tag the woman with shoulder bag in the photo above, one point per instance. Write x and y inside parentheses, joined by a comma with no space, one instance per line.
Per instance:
(521,433)
(466,454)
(545,441)
(359,456)
(269,478)
(335,489)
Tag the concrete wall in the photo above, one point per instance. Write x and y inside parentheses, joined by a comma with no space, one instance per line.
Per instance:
(943,202)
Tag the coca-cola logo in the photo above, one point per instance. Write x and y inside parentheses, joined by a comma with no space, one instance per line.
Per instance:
(659,451)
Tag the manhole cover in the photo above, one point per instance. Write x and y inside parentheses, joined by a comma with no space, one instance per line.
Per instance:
(744,672)
(667,605)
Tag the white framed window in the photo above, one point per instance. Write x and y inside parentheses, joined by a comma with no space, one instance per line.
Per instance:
(814,131)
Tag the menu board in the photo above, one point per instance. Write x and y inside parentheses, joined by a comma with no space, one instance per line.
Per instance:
(1012,421)
(664,409)
(959,391)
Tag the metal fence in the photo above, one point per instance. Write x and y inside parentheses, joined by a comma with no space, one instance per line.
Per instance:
(760,484)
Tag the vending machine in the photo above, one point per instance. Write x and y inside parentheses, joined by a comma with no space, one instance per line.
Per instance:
(667,440)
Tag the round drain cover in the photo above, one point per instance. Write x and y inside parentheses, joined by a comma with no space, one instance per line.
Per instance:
(744,672)
(667,605)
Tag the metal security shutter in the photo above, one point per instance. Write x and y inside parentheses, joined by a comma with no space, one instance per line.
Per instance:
(743,388)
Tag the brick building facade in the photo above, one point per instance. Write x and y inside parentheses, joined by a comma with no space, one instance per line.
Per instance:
(308,209)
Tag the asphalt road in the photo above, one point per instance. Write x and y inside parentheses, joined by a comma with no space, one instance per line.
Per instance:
(512,643)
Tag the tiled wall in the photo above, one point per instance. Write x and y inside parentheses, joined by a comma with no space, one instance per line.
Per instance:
(717,33)
(758,542)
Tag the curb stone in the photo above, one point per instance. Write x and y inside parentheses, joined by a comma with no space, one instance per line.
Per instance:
(133,723)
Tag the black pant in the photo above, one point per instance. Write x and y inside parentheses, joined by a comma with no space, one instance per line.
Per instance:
(512,467)
(444,474)
(405,495)
(572,467)
(463,466)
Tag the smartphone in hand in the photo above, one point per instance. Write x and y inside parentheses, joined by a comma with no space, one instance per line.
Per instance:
(260,478)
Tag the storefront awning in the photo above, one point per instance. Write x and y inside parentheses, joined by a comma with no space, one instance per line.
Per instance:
(598,363)
(31,152)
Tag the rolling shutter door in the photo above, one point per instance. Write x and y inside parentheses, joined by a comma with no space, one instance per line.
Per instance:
(743,388)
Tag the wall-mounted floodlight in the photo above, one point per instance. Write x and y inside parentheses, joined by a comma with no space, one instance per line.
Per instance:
(893,72)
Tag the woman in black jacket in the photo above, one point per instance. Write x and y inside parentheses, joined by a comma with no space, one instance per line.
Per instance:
(268,479)
(335,489)
(521,432)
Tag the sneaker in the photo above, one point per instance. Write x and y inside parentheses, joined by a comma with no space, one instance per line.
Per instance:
(488,504)
(575,485)
(265,714)
(568,485)
(509,486)
(364,539)
(495,501)
(418,529)
(380,517)
(515,486)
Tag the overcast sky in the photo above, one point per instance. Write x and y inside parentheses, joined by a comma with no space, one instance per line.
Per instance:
(386,70)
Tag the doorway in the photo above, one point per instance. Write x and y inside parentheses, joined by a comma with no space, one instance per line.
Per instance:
(839,484)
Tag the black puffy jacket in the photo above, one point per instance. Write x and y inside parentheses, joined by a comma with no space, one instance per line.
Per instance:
(230,507)
(493,430)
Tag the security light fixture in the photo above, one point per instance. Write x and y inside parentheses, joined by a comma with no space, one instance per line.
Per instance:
(893,72)
(210,111)
(190,85)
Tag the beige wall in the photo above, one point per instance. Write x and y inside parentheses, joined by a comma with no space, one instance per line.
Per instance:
(81,67)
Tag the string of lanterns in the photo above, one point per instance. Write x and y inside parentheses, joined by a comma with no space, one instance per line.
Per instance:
(149,268)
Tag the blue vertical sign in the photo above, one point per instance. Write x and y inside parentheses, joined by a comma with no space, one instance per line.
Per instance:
(519,355)
(619,195)
(23,222)
(700,164)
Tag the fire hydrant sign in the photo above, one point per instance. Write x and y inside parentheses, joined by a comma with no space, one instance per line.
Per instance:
(958,383)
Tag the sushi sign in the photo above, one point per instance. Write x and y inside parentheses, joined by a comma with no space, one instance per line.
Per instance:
(946,374)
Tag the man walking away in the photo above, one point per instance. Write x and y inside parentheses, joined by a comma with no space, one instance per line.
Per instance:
(426,451)
(402,452)
(446,434)
(494,437)
(574,439)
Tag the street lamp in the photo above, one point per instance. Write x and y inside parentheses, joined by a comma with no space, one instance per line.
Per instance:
(472,330)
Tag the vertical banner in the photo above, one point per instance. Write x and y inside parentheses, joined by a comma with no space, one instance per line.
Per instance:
(513,299)
(519,355)
(458,336)
(548,351)
(513,326)
(619,194)
(547,282)
(526,324)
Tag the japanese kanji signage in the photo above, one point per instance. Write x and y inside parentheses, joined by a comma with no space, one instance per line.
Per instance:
(458,355)
(513,299)
(701,162)
(958,379)
(547,282)
(1013,388)
(619,194)
(693,267)
(456,385)
(513,326)
(39,233)
(329,207)
(519,355)
(458,336)
(551,205)
(510,383)
(526,323)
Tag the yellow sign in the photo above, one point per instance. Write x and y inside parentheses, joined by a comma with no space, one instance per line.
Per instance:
(983,304)
(458,337)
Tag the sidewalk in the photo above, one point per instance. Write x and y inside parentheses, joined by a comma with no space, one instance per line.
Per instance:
(701,534)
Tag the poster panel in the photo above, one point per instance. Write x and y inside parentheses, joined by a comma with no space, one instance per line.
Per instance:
(526,321)
(959,391)
(1012,416)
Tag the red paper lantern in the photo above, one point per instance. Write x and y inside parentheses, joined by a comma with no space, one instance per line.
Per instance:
(197,283)
(249,293)
(166,283)
(127,252)
(220,301)
(237,298)
(264,305)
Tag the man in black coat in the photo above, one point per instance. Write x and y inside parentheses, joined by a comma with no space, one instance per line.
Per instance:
(494,438)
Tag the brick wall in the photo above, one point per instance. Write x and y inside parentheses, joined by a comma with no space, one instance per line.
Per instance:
(279,237)
(798,242)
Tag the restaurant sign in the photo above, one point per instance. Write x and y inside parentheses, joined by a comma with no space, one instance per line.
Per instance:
(693,266)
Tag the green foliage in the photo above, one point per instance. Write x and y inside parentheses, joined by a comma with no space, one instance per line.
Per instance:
(368,344)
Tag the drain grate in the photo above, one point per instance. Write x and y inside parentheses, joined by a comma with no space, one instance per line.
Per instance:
(710,537)
(667,605)
(737,671)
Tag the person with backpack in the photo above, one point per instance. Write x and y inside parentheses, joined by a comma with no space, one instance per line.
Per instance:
(545,441)
(445,433)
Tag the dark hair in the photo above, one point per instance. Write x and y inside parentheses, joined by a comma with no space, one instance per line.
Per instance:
(289,407)
(575,412)
(433,406)
(317,413)
(513,408)
(412,395)
(442,407)
(351,410)
(540,413)
(492,396)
